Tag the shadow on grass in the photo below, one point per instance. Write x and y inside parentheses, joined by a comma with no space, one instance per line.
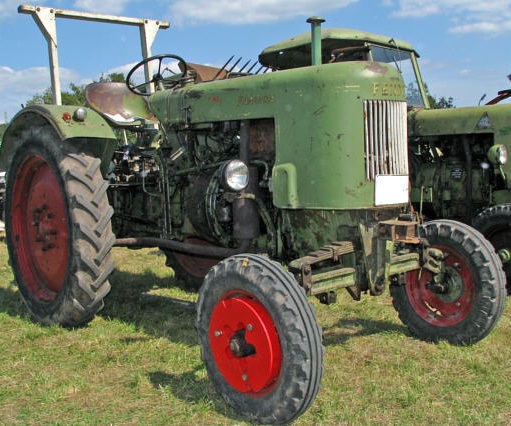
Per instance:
(10,301)
(174,319)
(357,327)
(192,390)
(158,316)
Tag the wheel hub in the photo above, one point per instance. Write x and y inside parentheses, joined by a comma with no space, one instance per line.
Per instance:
(39,223)
(446,301)
(245,344)
(45,230)
(451,287)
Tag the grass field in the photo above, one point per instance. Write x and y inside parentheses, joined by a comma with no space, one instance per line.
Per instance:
(138,363)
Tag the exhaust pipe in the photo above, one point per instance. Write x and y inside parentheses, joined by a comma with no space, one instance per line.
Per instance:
(315,22)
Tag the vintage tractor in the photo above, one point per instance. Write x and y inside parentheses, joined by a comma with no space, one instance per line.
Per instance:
(261,189)
(459,166)
(458,157)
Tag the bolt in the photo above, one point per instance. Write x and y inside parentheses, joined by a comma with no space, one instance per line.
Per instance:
(244,377)
(250,327)
(218,333)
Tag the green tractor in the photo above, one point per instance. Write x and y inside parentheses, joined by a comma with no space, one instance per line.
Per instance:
(458,157)
(262,189)
(459,166)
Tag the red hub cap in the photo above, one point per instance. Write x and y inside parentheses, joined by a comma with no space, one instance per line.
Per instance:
(245,344)
(448,308)
(39,228)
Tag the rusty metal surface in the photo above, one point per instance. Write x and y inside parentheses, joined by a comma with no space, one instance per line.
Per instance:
(115,102)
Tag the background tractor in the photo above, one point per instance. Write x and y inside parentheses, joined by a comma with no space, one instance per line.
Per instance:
(262,188)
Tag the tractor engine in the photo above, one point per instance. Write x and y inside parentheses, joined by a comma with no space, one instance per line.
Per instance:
(452,177)
(221,198)
(203,183)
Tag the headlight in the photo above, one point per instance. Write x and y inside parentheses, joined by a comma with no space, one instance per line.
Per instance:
(497,155)
(80,114)
(235,175)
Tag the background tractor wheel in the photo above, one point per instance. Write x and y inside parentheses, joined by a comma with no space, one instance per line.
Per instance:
(58,230)
(495,224)
(190,270)
(259,339)
(473,297)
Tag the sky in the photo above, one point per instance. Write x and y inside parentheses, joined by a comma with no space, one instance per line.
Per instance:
(463,44)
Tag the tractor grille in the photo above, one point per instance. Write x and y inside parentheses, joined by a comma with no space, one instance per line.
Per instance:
(385,138)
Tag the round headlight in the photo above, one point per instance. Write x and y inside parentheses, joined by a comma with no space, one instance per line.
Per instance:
(497,155)
(80,114)
(235,175)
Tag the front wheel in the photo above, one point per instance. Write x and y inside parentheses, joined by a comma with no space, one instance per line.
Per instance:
(259,339)
(467,304)
(58,230)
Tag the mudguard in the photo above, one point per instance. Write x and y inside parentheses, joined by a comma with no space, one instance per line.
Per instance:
(91,135)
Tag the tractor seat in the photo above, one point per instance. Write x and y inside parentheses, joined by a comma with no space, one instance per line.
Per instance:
(118,104)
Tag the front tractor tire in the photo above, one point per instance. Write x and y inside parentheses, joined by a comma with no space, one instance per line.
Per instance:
(58,231)
(259,339)
(468,302)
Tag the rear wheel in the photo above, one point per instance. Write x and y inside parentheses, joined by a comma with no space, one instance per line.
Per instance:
(259,339)
(495,224)
(466,305)
(190,269)
(58,231)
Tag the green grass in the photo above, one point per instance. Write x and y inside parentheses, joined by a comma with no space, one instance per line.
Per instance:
(138,362)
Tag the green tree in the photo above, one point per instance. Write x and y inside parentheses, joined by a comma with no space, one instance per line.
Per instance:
(2,130)
(76,93)
(413,95)
(439,103)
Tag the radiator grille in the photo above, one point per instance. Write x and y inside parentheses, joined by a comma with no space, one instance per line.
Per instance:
(385,138)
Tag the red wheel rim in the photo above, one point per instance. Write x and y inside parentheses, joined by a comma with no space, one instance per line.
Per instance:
(240,321)
(443,310)
(196,266)
(39,228)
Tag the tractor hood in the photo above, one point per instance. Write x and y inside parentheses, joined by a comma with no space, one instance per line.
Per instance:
(494,119)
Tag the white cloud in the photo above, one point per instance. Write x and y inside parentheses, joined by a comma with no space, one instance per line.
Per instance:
(239,12)
(9,8)
(111,7)
(469,16)
(17,87)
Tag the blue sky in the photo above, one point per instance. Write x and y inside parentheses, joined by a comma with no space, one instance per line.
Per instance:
(464,44)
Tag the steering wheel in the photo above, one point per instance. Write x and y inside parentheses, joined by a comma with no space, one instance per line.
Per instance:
(170,69)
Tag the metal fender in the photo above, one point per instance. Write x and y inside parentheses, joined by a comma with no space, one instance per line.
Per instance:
(78,127)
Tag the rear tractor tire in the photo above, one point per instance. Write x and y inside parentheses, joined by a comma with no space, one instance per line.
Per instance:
(58,230)
(190,270)
(473,295)
(259,339)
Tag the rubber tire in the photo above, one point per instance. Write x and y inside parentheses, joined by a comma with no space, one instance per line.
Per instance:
(489,293)
(294,320)
(495,224)
(84,241)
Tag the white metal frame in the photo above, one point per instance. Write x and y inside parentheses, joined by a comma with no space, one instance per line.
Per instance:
(45,18)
